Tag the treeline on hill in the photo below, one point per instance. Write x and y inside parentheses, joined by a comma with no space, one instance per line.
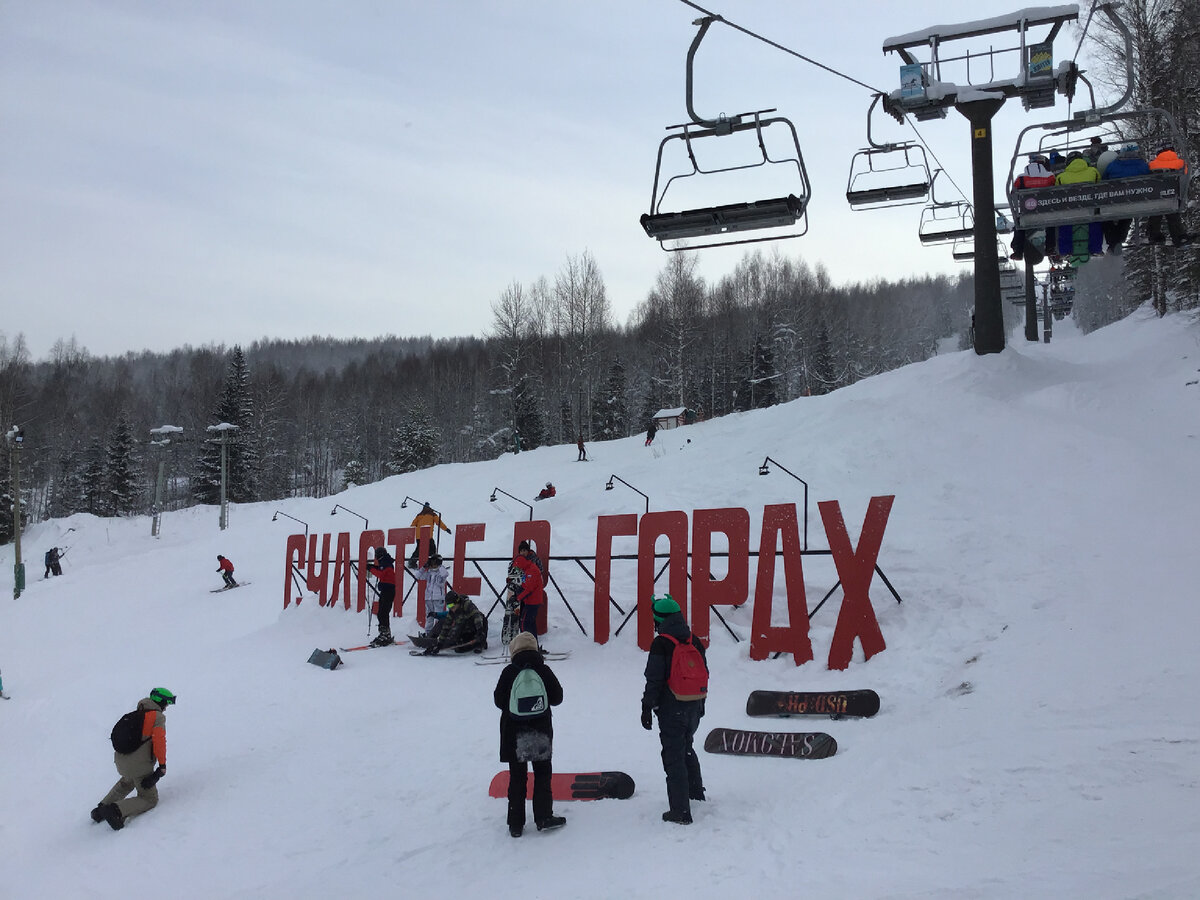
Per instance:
(315,415)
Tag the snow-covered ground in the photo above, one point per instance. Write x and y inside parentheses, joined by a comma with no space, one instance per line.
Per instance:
(1038,736)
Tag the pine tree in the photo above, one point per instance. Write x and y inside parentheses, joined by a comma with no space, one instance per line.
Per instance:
(354,473)
(415,443)
(235,408)
(96,499)
(612,417)
(67,493)
(120,470)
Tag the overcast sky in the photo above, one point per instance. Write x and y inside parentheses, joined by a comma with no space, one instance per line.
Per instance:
(221,171)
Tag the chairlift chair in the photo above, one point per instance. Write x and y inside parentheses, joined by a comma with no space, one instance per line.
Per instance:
(887,174)
(1159,193)
(945,221)
(725,224)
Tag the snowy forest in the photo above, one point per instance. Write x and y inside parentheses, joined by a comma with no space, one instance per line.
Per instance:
(551,365)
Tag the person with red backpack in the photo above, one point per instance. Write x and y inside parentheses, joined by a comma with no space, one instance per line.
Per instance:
(676,686)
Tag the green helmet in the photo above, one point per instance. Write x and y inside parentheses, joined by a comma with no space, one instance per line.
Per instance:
(162,696)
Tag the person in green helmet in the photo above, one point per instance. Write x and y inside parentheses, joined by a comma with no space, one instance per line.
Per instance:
(137,768)
(676,687)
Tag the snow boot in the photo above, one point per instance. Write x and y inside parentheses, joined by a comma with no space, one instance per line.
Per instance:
(112,814)
(98,812)
(679,818)
(551,822)
(382,639)
(515,830)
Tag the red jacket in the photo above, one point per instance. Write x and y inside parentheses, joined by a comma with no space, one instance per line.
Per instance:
(385,575)
(225,566)
(533,591)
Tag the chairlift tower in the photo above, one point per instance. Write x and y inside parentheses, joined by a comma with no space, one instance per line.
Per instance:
(925,95)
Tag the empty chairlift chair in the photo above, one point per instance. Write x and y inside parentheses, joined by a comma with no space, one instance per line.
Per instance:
(773,147)
(945,221)
(887,174)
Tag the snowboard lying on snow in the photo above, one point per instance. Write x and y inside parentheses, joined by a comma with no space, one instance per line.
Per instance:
(834,704)
(574,786)
(786,744)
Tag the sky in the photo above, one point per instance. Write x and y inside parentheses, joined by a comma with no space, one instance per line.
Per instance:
(1035,688)
(218,172)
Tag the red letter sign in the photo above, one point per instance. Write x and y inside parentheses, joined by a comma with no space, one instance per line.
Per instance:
(779,521)
(856,568)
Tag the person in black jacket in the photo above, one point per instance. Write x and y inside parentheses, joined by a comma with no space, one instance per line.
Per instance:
(528,739)
(678,719)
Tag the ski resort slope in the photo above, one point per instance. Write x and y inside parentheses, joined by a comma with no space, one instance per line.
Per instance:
(1038,734)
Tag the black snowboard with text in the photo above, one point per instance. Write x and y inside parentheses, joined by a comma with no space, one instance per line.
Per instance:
(785,744)
(835,704)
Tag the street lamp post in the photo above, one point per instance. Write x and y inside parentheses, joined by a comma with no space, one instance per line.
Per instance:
(15,438)
(279,513)
(495,491)
(764,469)
(337,506)
(609,487)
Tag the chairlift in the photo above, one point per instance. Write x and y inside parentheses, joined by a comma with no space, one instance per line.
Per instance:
(1159,193)
(945,221)
(697,227)
(887,174)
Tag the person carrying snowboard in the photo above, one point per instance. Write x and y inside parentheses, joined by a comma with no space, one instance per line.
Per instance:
(136,767)
(676,685)
(384,568)
(464,630)
(225,567)
(524,694)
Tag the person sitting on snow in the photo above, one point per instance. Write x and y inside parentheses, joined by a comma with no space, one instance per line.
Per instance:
(547,491)
(464,629)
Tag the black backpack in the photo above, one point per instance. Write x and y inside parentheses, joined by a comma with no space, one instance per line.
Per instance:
(127,733)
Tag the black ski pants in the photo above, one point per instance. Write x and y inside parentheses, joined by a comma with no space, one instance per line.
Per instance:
(678,721)
(543,798)
(387,597)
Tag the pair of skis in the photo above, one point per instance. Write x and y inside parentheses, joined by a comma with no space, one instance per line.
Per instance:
(229,587)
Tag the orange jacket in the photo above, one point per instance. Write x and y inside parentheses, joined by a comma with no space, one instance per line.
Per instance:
(153,729)
(429,519)
(1168,160)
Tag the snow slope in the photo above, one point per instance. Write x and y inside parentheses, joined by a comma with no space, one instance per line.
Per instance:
(1038,735)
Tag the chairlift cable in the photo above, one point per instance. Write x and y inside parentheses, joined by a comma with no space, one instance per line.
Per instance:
(1083,34)
(777,46)
(941,166)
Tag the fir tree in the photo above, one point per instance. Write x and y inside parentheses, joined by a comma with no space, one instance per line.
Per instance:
(235,408)
(96,499)
(415,443)
(611,413)
(120,470)
(354,473)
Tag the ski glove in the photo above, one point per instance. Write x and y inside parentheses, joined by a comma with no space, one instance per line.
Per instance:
(152,779)
(647,719)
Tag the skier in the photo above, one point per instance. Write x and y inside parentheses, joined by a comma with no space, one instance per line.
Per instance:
(527,736)
(436,577)
(225,567)
(1167,160)
(464,629)
(426,518)
(53,566)
(650,433)
(384,568)
(582,451)
(678,716)
(137,768)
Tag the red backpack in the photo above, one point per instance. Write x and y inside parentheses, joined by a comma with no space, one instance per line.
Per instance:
(688,678)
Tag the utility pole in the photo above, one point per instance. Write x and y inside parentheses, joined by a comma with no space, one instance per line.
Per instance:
(223,429)
(163,439)
(15,438)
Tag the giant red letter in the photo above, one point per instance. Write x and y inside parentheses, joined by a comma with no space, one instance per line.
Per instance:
(855,568)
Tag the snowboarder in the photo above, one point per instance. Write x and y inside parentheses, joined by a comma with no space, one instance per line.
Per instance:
(436,578)
(225,567)
(527,733)
(678,716)
(53,566)
(384,568)
(137,769)
(431,519)
(464,629)
(546,493)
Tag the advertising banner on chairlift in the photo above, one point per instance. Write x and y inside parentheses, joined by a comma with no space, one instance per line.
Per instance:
(1041,60)
(912,82)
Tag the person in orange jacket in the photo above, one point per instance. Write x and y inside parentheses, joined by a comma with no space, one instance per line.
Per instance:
(225,567)
(1167,161)
(137,769)
(426,518)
